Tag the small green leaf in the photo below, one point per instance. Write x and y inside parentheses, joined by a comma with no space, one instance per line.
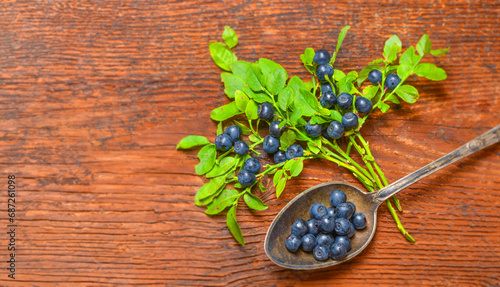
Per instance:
(307,60)
(229,37)
(253,138)
(338,74)
(285,97)
(376,61)
(207,155)
(222,201)
(295,166)
(318,120)
(274,74)
(224,166)
(424,45)
(232,83)
(225,112)
(409,57)
(342,35)
(277,177)
(407,93)
(439,52)
(219,128)
(222,55)
(287,139)
(262,187)
(363,75)
(335,115)
(430,71)
(233,226)
(370,92)
(254,202)
(241,100)
(245,71)
(210,187)
(393,99)
(391,48)
(280,187)
(383,107)
(346,84)
(251,110)
(295,116)
(262,98)
(307,102)
(404,70)
(296,83)
(313,148)
(192,141)
(244,129)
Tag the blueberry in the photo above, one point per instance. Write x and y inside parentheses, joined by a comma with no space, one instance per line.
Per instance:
(234,132)
(293,243)
(246,177)
(299,227)
(375,76)
(337,197)
(274,129)
(343,240)
(313,226)
(344,101)
(359,220)
(279,157)
(313,130)
(271,144)
(326,224)
(342,226)
(363,105)
(327,100)
(317,210)
(324,239)
(223,142)
(392,81)
(321,252)
(252,164)
(308,242)
(353,206)
(321,57)
(335,130)
(241,147)
(338,251)
(324,70)
(294,151)
(349,120)
(327,87)
(331,212)
(324,132)
(352,230)
(265,111)
(345,210)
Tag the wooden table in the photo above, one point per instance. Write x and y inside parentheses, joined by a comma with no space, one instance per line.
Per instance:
(95,96)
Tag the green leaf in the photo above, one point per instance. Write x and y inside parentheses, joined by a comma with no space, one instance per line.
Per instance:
(338,75)
(363,75)
(342,34)
(370,92)
(430,71)
(285,97)
(225,112)
(253,138)
(346,84)
(439,52)
(222,55)
(254,202)
(192,141)
(241,100)
(309,85)
(424,45)
(280,187)
(393,99)
(295,116)
(313,148)
(251,110)
(287,139)
(376,61)
(262,187)
(207,155)
(391,48)
(232,83)
(295,166)
(227,198)
(244,129)
(307,60)
(335,115)
(224,166)
(404,70)
(229,37)
(211,187)
(245,71)
(383,107)
(307,102)
(407,93)
(318,120)
(409,57)
(296,83)
(233,226)
(277,177)
(219,128)
(274,74)
(262,98)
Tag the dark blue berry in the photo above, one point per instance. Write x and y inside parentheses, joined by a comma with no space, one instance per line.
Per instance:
(294,151)
(324,132)
(327,87)
(375,76)
(274,129)
(317,210)
(271,144)
(299,227)
(328,99)
(313,227)
(353,206)
(363,105)
(246,177)
(234,132)
(324,239)
(337,197)
(338,251)
(313,130)
(279,157)
(335,130)
(344,101)
(308,242)
(326,224)
(359,220)
(392,81)
(343,240)
(349,120)
(331,212)
(342,226)
(241,147)
(351,233)
(345,210)
(265,111)
(293,242)
(321,57)
(321,252)
(252,164)
(323,71)
(223,142)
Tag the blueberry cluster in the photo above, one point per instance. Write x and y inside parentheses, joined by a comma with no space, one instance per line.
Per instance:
(328,232)
(391,81)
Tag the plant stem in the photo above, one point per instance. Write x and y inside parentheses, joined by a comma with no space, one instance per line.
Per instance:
(337,148)
(361,177)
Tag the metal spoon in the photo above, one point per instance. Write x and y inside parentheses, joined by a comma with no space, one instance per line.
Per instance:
(367,203)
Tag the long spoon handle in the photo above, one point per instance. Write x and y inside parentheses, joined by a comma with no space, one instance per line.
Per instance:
(482,141)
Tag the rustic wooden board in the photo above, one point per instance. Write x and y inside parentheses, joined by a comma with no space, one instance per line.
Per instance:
(95,96)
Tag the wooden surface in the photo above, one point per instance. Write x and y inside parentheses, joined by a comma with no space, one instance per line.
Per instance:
(94,96)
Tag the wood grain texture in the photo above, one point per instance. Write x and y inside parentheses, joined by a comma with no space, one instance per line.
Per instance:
(95,95)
